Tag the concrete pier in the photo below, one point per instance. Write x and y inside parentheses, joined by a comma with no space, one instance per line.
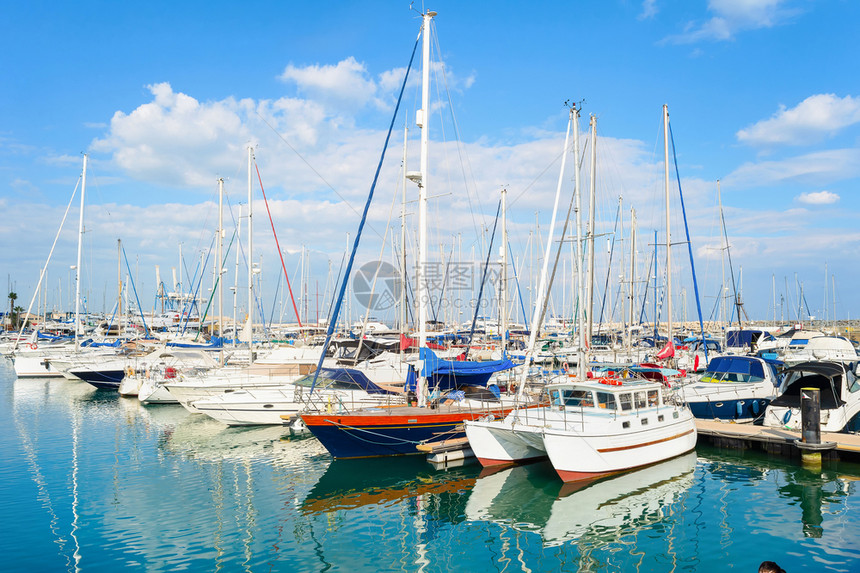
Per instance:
(835,446)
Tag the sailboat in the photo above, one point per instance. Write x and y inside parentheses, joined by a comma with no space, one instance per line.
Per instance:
(592,427)
(373,432)
(33,361)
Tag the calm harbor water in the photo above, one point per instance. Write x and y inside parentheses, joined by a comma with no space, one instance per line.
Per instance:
(90,481)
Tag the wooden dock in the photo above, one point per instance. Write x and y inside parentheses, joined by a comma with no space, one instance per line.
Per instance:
(774,440)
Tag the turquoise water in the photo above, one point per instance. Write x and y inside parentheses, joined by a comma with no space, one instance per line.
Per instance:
(90,481)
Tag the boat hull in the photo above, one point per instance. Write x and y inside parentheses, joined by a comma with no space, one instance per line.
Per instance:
(387,431)
(731,409)
(500,443)
(578,455)
(102,379)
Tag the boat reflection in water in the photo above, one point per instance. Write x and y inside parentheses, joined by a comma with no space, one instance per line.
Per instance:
(599,512)
(352,484)
(202,438)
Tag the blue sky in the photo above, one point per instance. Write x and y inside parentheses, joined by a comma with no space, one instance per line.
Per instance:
(165,97)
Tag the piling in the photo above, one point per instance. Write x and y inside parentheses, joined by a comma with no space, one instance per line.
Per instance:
(810,423)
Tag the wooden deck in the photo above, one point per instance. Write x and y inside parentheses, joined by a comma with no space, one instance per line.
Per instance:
(773,440)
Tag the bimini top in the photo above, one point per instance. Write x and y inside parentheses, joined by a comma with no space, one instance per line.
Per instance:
(829,369)
(826,376)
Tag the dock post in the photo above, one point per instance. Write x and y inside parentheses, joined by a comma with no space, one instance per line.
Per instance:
(810,423)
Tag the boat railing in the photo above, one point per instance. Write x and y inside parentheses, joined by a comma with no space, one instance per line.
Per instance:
(343,402)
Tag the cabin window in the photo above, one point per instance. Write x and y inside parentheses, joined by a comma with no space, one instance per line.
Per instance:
(578,398)
(644,421)
(606,400)
(555,397)
(660,418)
(640,399)
(626,401)
(854,383)
(625,424)
(652,398)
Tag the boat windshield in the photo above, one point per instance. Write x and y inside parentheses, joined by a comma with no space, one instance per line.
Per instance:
(580,398)
(324,382)
(733,370)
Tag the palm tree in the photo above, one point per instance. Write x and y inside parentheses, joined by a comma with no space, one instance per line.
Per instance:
(12,298)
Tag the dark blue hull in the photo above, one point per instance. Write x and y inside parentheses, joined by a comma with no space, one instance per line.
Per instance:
(740,409)
(375,441)
(102,379)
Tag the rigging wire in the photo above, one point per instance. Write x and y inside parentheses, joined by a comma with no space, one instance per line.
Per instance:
(317,173)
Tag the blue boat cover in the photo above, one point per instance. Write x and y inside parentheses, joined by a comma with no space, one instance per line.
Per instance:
(449,374)
(348,375)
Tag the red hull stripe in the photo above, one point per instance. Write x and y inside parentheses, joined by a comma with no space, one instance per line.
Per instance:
(633,447)
(387,421)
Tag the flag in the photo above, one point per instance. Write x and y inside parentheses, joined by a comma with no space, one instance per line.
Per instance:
(668,351)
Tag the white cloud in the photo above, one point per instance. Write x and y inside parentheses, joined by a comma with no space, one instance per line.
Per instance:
(818,198)
(649,9)
(345,83)
(732,16)
(812,168)
(811,119)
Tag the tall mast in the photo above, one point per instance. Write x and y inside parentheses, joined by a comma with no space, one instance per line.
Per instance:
(236,279)
(78,265)
(250,259)
(119,287)
(424,124)
(668,228)
(220,265)
(632,275)
(503,292)
(724,290)
(422,119)
(403,234)
(589,306)
(580,279)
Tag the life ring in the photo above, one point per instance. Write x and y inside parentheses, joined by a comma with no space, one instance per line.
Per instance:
(610,381)
(565,366)
(33,346)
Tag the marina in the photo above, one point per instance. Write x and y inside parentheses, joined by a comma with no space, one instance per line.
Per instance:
(98,482)
(507,340)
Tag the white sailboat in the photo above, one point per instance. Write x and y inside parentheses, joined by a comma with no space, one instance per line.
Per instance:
(31,361)
(592,427)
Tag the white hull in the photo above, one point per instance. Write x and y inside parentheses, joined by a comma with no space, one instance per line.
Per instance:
(505,441)
(35,365)
(151,391)
(591,450)
(189,391)
(130,386)
(832,420)
(267,406)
